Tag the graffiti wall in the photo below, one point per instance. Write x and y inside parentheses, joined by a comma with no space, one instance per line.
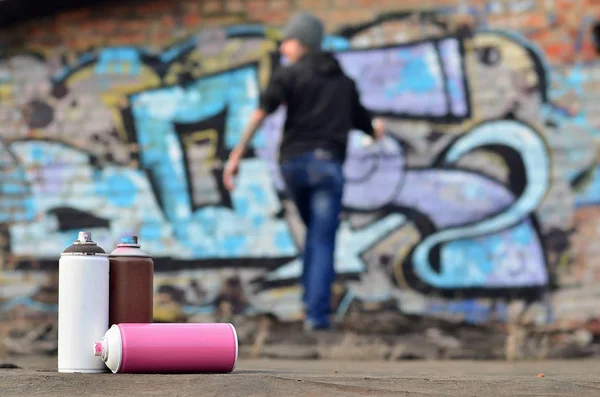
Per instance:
(485,190)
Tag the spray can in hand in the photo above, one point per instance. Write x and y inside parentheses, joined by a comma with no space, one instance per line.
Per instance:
(82,304)
(131,283)
(169,348)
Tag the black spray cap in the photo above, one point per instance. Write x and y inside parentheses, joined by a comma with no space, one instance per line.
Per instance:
(84,245)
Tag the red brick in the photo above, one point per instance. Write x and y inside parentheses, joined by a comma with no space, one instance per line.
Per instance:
(558,50)
(156,7)
(190,21)
(130,39)
(213,6)
(593,11)
(107,26)
(256,5)
(72,16)
(341,18)
(35,31)
(463,20)
(344,3)
(191,8)
(134,25)
(540,36)
(235,6)
(312,4)
(93,41)
(566,6)
(80,43)
(274,17)
(168,21)
(505,21)
(368,3)
(588,52)
(279,5)
(65,30)
(535,21)
(256,9)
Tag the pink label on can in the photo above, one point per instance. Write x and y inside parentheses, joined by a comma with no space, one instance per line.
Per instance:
(178,348)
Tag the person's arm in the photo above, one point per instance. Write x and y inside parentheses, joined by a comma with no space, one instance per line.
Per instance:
(271,98)
(362,120)
(256,119)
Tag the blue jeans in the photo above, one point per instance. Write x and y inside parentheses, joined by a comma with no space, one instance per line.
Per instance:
(315,182)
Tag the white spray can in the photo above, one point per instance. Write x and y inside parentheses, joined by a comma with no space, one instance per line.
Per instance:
(83,287)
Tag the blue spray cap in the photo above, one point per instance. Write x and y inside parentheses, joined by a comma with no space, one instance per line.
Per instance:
(130,240)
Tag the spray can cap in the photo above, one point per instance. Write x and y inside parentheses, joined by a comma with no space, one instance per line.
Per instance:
(84,245)
(129,246)
(129,240)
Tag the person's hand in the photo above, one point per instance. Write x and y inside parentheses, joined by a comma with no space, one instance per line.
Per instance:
(378,129)
(231,170)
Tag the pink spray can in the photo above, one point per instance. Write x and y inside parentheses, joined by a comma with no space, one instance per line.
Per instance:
(169,348)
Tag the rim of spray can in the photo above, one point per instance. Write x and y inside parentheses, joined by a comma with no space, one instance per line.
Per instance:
(82,304)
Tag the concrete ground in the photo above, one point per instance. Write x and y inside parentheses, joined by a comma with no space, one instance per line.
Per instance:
(37,377)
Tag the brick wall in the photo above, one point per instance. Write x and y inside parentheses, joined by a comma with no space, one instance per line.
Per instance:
(554,25)
(117,119)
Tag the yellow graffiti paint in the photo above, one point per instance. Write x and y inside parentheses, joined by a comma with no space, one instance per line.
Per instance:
(265,66)
(115,95)
(211,135)
(283,291)
(233,54)
(273,34)
(171,76)
(170,312)
(118,122)
(400,256)
(147,78)
(6,92)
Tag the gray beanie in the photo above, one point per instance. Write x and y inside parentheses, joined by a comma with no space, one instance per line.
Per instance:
(306,28)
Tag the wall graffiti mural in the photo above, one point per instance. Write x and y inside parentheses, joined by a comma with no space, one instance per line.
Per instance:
(484,189)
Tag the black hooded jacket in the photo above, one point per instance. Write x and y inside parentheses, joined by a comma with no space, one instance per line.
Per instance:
(322,103)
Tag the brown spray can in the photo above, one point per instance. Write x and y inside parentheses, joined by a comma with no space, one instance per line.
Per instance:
(131,283)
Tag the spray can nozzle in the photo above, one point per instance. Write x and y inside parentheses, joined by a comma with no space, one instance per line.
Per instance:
(100,349)
(129,240)
(84,238)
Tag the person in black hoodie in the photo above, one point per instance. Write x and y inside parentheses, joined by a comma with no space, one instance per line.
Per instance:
(323,105)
